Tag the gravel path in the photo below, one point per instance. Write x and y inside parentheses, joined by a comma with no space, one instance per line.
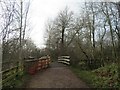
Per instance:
(57,76)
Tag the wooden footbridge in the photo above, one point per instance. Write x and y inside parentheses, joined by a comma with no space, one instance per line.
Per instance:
(31,66)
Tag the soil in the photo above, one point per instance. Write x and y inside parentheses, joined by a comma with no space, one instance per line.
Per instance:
(56,76)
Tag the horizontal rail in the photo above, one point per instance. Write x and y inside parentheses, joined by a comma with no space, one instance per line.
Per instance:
(64,62)
(10,69)
(32,66)
(11,74)
(11,77)
(64,59)
(31,60)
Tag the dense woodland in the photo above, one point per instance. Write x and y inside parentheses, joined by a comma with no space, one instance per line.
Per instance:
(92,35)
(91,38)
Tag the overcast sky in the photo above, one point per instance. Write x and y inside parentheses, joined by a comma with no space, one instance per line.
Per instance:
(42,10)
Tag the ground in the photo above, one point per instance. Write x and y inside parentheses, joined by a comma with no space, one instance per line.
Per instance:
(57,76)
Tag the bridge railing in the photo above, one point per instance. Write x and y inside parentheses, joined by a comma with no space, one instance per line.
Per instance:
(10,75)
(32,66)
(43,62)
(64,59)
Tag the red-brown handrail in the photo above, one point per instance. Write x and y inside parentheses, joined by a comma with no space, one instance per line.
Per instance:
(37,64)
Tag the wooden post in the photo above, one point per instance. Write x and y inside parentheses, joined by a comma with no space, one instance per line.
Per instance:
(17,70)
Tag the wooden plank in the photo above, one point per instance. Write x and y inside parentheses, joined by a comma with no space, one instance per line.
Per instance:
(10,74)
(11,77)
(64,57)
(9,69)
(33,60)
(64,60)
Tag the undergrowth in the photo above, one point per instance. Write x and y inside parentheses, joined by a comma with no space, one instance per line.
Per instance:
(104,77)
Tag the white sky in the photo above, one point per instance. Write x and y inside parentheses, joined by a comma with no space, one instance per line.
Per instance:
(42,10)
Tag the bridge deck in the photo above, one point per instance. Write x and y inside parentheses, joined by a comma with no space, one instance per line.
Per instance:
(57,76)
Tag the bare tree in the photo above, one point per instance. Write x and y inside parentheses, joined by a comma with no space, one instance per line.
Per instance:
(64,20)
(13,23)
(93,36)
(107,14)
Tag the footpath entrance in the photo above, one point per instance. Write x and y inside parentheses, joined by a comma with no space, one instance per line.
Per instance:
(57,76)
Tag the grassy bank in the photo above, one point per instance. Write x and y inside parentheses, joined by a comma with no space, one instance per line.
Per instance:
(104,77)
(86,76)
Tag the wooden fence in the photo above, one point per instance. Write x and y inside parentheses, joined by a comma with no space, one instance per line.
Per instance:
(0,80)
(10,75)
(32,66)
(64,59)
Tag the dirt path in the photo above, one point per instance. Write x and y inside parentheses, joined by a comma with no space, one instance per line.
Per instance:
(57,76)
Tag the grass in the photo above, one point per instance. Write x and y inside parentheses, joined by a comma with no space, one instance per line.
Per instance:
(104,77)
(86,76)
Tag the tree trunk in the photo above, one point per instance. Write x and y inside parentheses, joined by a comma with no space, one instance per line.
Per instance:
(83,51)
(112,37)
(20,52)
(62,41)
(93,32)
(118,7)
